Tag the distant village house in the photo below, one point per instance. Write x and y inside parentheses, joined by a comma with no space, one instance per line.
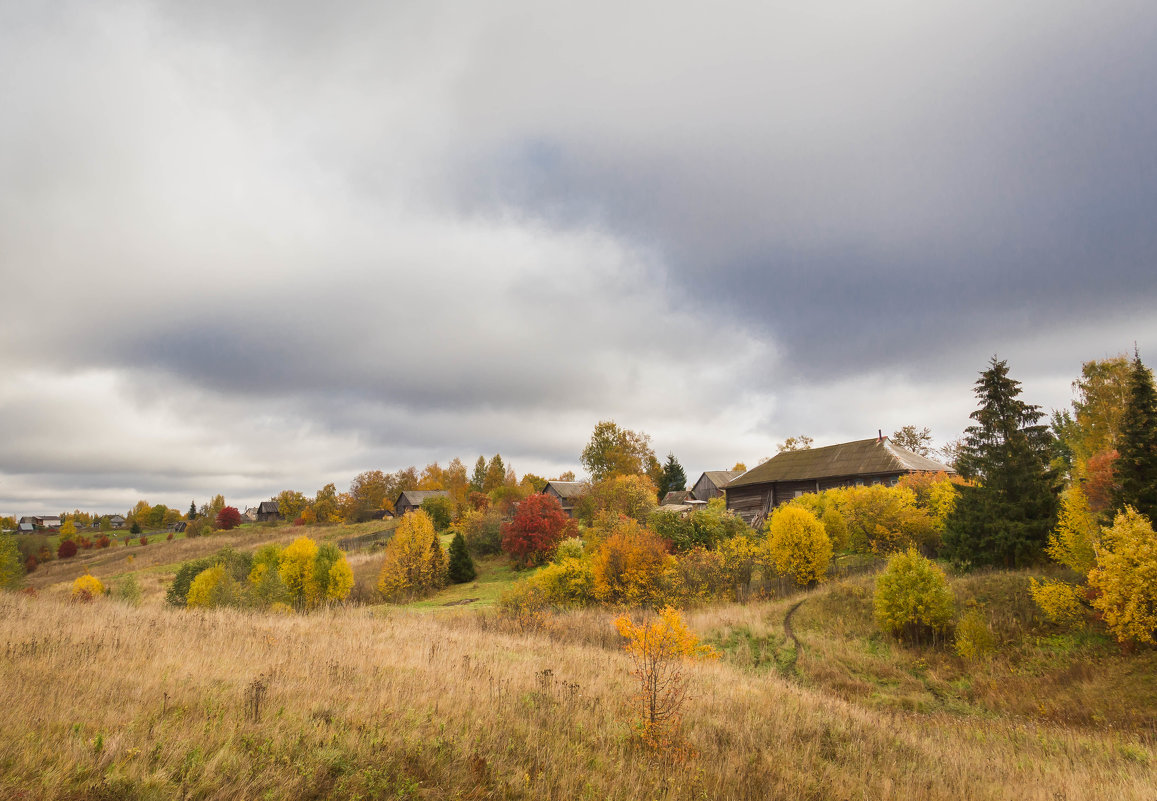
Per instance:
(789,475)
(409,500)
(267,512)
(567,493)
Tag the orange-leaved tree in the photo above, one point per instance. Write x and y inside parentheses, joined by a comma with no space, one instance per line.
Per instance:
(660,649)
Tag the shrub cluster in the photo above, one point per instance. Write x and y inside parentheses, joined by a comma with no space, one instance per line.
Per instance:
(303,576)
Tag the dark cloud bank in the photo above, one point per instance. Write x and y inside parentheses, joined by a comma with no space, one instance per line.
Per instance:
(252,248)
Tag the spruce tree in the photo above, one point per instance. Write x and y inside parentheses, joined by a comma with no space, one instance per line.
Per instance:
(674,479)
(1136,467)
(461,565)
(1005,516)
(192,511)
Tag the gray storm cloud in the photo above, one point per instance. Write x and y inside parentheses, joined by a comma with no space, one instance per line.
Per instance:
(251,246)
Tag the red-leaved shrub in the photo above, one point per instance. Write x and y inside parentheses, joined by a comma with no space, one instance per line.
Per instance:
(66,549)
(170,537)
(85,543)
(30,564)
(539,524)
(228,518)
(144,540)
(102,541)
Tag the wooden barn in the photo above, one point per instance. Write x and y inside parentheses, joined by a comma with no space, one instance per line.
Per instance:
(567,493)
(267,511)
(409,500)
(754,494)
(710,484)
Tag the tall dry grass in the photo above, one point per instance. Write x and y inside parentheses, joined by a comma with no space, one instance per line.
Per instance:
(108,701)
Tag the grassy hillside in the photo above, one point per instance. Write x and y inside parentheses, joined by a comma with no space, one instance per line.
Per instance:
(111,701)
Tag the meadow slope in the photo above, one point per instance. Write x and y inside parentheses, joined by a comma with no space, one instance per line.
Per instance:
(109,701)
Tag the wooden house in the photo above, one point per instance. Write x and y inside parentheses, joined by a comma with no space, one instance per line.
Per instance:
(267,511)
(567,493)
(675,498)
(710,484)
(116,521)
(754,494)
(409,500)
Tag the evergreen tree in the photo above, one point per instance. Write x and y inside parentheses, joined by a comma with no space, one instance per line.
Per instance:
(1136,468)
(673,478)
(478,479)
(495,474)
(192,511)
(461,565)
(1006,515)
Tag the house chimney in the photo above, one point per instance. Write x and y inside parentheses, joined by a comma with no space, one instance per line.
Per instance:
(880,435)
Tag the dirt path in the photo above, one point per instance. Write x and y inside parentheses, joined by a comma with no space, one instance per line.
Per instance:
(788,631)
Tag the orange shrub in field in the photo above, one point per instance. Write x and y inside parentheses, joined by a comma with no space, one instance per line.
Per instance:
(632,565)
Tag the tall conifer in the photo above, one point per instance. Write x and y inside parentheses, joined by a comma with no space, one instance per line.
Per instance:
(1006,516)
(461,565)
(1136,468)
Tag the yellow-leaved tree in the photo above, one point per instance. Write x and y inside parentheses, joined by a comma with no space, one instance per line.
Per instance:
(660,648)
(798,545)
(1126,577)
(1073,543)
(296,568)
(415,564)
(313,575)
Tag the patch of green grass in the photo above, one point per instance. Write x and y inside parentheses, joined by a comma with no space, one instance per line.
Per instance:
(495,575)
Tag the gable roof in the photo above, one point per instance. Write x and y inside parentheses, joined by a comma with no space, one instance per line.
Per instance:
(675,497)
(267,508)
(720,478)
(862,457)
(568,489)
(415,497)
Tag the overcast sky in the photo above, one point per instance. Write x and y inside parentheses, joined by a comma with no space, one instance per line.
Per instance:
(247,247)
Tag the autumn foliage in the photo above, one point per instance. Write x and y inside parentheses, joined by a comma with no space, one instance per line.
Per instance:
(415,564)
(538,525)
(660,648)
(228,518)
(66,549)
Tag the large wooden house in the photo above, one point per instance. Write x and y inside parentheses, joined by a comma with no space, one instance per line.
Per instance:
(754,494)
(567,493)
(409,500)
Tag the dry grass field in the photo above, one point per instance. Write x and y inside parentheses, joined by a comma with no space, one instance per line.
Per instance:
(110,701)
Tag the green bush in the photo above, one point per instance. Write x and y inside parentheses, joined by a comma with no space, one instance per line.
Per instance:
(129,590)
(441,511)
(913,598)
(11,563)
(482,530)
(974,638)
(239,565)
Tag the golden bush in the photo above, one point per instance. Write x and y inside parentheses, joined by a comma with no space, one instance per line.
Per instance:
(1125,577)
(87,588)
(798,545)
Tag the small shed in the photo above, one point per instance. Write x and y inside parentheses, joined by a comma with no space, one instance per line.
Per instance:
(711,483)
(267,511)
(409,500)
(567,493)
(675,498)
(25,528)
